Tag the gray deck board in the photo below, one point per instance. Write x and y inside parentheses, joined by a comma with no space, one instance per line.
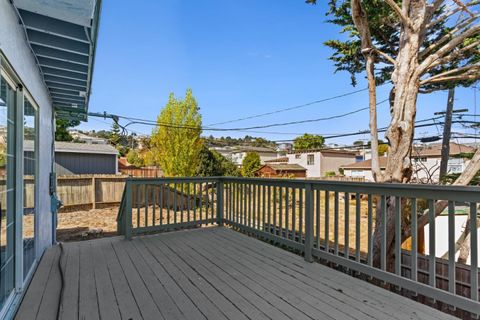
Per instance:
(209,273)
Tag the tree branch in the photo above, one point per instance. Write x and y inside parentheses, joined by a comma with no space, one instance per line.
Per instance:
(386,56)
(403,18)
(455,54)
(426,64)
(468,72)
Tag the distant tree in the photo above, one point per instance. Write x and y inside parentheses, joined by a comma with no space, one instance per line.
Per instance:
(250,164)
(135,159)
(213,164)
(358,143)
(176,142)
(115,134)
(308,141)
(61,130)
(382,149)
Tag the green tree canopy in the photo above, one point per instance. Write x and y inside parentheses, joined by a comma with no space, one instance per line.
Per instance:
(61,130)
(308,141)
(176,142)
(135,159)
(214,164)
(250,164)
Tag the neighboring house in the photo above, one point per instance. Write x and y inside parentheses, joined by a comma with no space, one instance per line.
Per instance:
(363,169)
(238,153)
(319,162)
(82,158)
(46,65)
(277,170)
(277,160)
(85,138)
(426,161)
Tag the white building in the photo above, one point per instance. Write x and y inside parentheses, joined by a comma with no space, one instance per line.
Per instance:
(426,161)
(320,162)
(238,153)
(363,169)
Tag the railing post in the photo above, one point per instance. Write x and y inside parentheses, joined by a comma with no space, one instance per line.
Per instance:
(220,202)
(308,222)
(128,210)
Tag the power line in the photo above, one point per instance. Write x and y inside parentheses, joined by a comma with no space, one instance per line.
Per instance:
(173,126)
(291,108)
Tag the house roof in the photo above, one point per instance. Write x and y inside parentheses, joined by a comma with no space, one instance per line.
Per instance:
(276,160)
(366,164)
(70,147)
(252,149)
(63,36)
(284,167)
(435,150)
(325,151)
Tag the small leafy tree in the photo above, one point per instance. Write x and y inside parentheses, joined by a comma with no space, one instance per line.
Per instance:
(308,142)
(135,159)
(250,164)
(213,164)
(176,142)
(115,134)
(61,130)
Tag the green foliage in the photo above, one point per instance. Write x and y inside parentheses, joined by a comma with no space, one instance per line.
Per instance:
(330,174)
(385,31)
(61,130)
(135,159)
(214,164)
(115,134)
(451,177)
(382,149)
(246,141)
(176,142)
(250,164)
(341,171)
(308,142)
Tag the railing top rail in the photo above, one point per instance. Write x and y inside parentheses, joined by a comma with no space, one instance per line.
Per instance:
(442,192)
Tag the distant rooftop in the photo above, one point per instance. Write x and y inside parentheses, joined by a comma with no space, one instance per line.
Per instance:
(285,167)
(435,150)
(70,147)
(332,151)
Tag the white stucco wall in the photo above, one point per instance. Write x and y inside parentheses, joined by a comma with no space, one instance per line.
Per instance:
(14,46)
(237,157)
(359,173)
(427,170)
(313,170)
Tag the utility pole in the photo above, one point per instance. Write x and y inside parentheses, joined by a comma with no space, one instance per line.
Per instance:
(447,131)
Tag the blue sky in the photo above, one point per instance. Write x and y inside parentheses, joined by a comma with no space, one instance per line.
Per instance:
(240,58)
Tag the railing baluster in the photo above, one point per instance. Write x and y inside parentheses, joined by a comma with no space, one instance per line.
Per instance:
(188,202)
(346,243)
(264,202)
(220,189)
(357,225)
(146,205)
(137,187)
(175,202)
(300,215)
(327,221)
(414,240)
(383,224)
(317,218)
(369,230)
(398,236)
(451,247)
(244,211)
(432,277)
(308,222)
(275,210)
(294,209)
(162,187)
(128,210)
(154,203)
(473,252)
(259,199)
(269,209)
(280,211)
(287,204)
(182,201)
(212,204)
(335,222)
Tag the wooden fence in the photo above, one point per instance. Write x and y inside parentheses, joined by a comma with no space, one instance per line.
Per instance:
(89,191)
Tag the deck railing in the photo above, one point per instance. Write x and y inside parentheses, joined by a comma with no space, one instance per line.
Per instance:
(331,221)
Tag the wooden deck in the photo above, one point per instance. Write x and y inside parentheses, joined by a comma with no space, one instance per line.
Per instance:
(210,273)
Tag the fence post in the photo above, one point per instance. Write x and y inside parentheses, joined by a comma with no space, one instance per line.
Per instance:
(308,222)
(128,210)
(94,192)
(220,202)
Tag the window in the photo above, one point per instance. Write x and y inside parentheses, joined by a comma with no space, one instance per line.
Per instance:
(310,159)
(30,151)
(7,189)
(298,156)
(421,159)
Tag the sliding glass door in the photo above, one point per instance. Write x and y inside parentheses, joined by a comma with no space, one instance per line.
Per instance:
(30,154)
(7,189)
